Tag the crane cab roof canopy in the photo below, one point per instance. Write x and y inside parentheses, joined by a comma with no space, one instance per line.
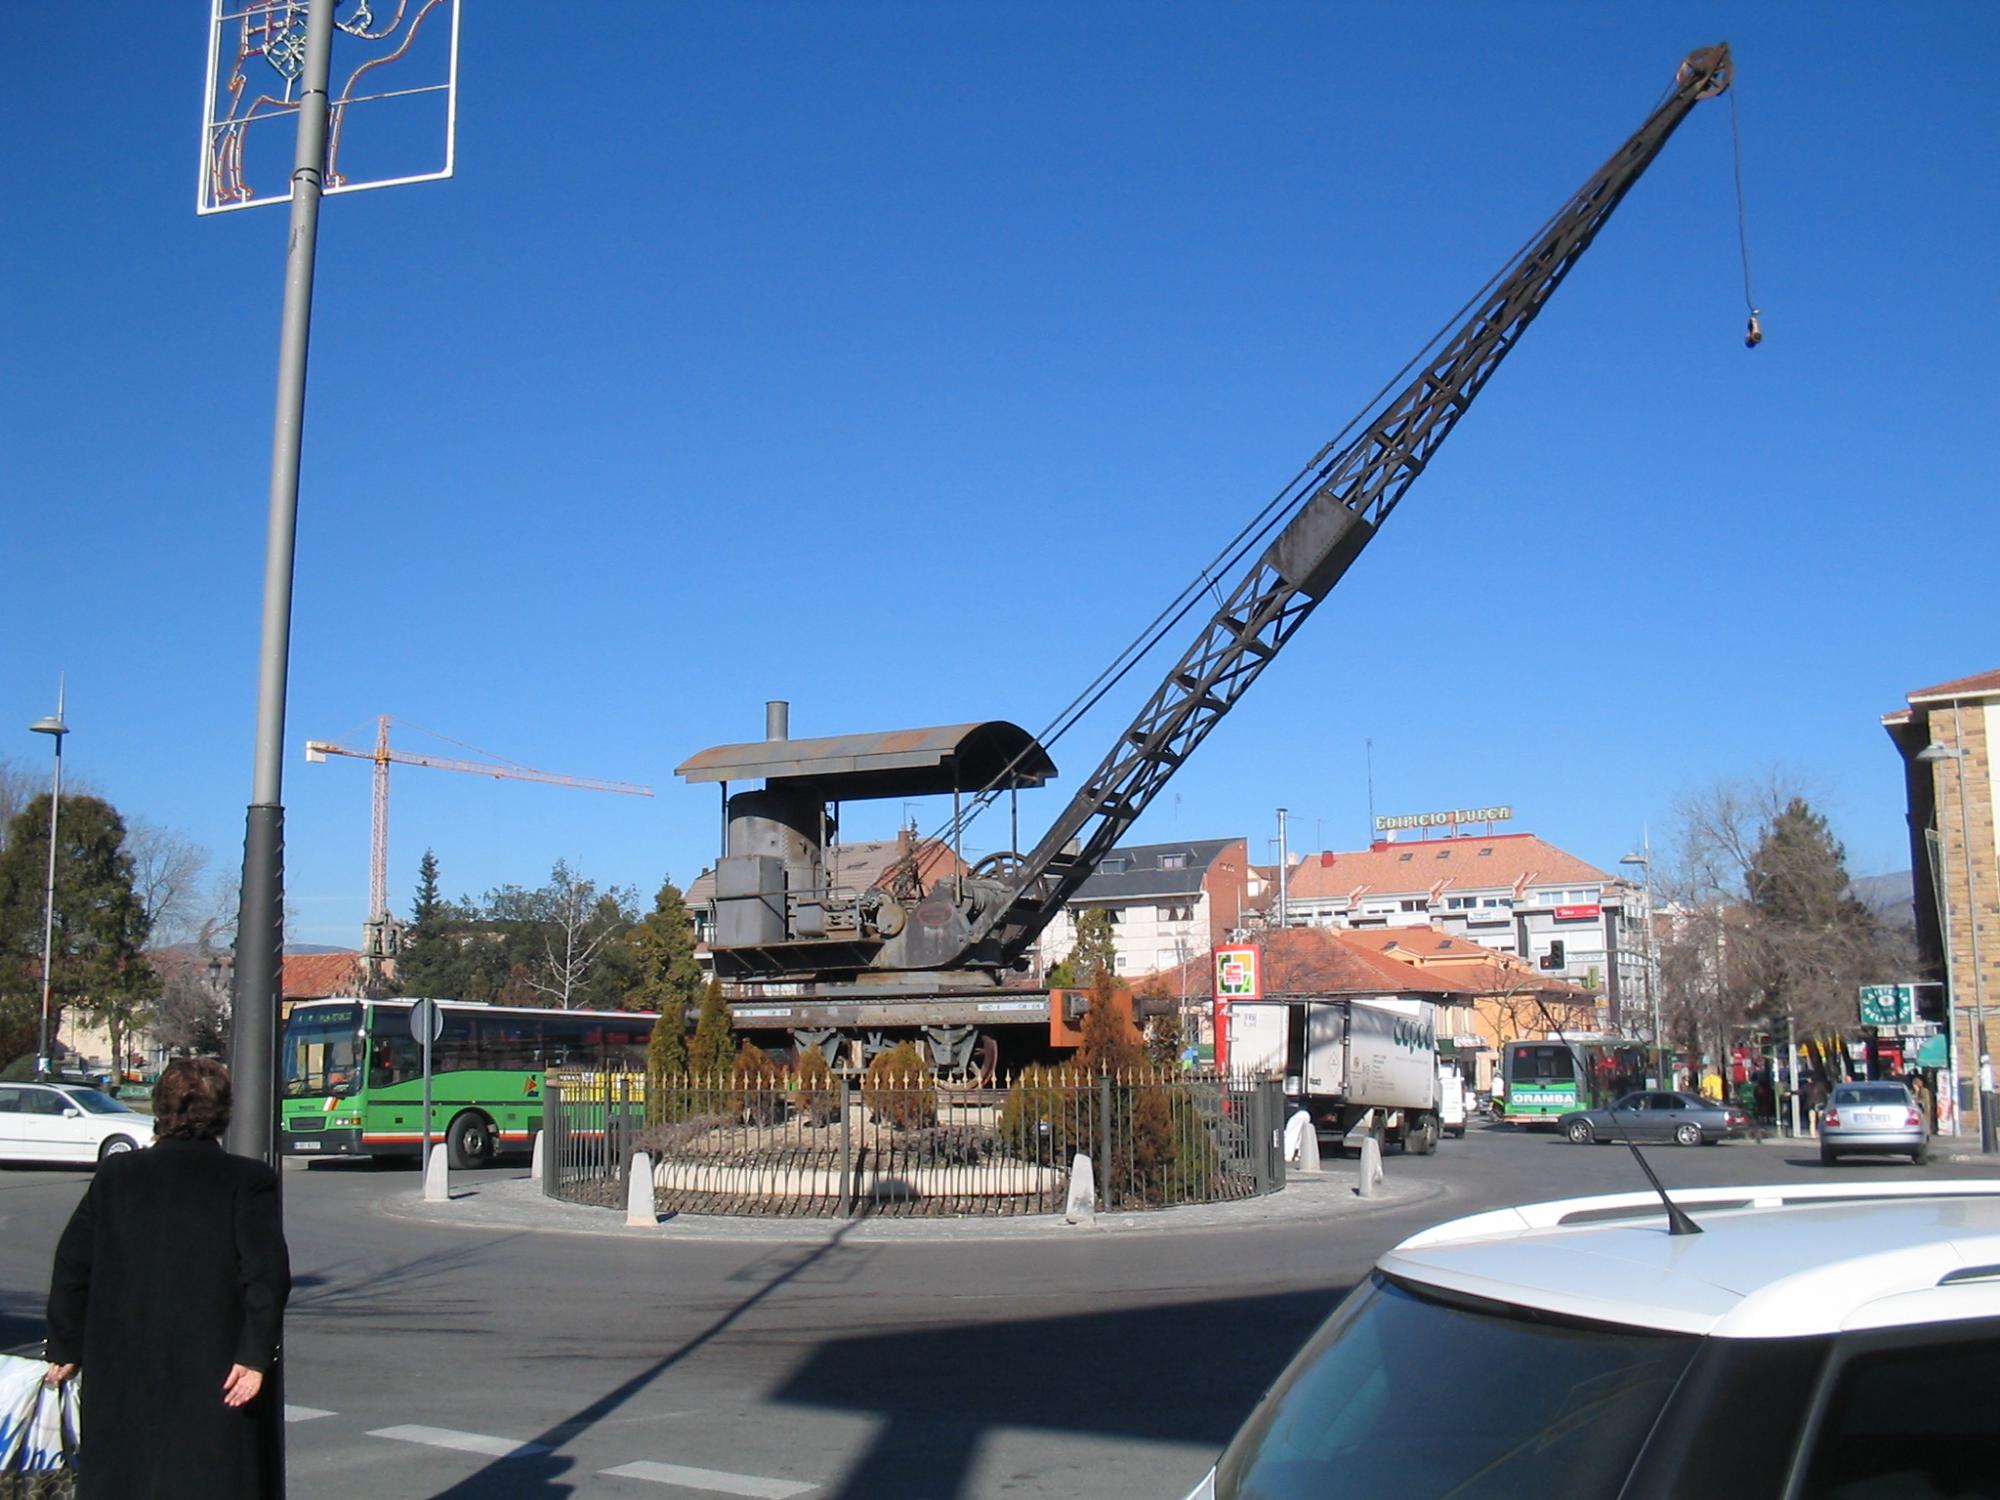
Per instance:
(895,763)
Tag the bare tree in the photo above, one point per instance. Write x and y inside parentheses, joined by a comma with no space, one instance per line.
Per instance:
(1761,923)
(17,789)
(167,873)
(577,922)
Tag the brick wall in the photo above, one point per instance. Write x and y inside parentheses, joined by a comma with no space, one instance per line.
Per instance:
(1970,844)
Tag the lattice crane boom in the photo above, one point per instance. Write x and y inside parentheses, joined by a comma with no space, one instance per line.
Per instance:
(383,756)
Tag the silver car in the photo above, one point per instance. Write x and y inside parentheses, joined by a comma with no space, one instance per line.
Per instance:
(1872,1119)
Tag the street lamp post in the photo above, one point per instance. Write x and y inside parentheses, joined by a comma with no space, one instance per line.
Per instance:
(54,727)
(1644,860)
(1930,755)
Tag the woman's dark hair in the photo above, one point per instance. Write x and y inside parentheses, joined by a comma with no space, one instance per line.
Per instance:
(191,1100)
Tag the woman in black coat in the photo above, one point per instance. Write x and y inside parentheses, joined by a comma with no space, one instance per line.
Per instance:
(169,1293)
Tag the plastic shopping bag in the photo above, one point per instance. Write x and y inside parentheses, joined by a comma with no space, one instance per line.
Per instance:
(38,1426)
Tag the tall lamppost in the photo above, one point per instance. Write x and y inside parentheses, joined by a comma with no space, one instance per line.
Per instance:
(53,726)
(1930,755)
(1644,860)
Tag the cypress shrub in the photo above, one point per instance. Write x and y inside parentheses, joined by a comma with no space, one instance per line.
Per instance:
(900,1089)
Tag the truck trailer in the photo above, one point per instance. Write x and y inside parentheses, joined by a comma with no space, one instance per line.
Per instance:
(1358,1067)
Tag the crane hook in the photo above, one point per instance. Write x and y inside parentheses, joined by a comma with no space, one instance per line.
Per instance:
(1754,334)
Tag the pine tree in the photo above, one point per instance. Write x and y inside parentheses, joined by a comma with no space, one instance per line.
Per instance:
(100,922)
(714,1047)
(1096,950)
(668,979)
(1109,1041)
(432,962)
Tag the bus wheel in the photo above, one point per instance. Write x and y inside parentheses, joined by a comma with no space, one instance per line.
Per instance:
(471,1140)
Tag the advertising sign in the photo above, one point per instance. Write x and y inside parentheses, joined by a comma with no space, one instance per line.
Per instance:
(1578,913)
(1449,817)
(1239,974)
(1888,1004)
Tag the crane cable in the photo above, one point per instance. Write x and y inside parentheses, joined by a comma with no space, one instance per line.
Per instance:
(1755,331)
(1278,510)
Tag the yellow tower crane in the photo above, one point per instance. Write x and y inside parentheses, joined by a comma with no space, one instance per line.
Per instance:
(378,943)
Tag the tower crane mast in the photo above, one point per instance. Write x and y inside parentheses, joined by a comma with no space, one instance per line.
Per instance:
(377,945)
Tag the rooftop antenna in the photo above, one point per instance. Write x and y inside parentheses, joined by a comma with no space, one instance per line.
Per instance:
(1369,748)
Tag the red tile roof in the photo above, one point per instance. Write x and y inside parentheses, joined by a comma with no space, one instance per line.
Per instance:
(1979,685)
(1414,867)
(1317,961)
(314,976)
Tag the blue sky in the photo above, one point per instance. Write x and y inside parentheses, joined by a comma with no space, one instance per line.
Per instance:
(899,360)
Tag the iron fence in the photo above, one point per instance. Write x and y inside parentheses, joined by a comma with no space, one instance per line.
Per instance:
(849,1146)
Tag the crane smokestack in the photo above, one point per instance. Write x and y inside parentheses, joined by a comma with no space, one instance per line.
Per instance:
(777,719)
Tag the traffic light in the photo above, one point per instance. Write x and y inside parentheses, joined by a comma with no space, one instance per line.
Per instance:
(1553,959)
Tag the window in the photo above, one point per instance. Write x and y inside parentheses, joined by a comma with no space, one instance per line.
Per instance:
(1181,913)
(1113,866)
(1417,905)
(1911,1421)
(1444,854)
(1404,858)
(1173,861)
(1484,853)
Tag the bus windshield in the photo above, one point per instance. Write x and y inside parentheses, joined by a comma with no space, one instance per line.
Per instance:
(323,1050)
(1540,1064)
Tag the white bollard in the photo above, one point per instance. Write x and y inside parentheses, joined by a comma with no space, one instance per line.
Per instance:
(1082,1205)
(641,1209)
(437,1175)
(1308,1162)
(1371,1166)
(535,1160)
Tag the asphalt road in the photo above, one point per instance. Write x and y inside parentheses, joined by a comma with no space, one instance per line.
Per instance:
(441,1352)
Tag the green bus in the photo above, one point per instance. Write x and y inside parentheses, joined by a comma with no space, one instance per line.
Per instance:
(353,1076)
(1542,1081)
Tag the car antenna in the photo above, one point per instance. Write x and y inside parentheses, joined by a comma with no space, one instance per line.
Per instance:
(1678,1221)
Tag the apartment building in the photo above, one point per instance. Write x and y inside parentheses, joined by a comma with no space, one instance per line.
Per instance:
(1168,903)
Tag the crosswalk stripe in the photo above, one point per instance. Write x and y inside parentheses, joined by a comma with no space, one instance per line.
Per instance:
(304,1413)
(463,1442)
(715,1480)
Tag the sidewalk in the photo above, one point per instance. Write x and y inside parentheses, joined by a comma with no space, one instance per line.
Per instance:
(515,1201)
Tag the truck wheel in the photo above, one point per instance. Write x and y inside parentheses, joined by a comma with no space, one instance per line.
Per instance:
(471,1141)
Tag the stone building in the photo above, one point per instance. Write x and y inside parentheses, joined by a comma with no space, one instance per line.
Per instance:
(1946,737)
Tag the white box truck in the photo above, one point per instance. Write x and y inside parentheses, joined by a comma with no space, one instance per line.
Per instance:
(1356,1066)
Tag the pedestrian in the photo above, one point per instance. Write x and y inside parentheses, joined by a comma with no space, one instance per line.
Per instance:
(169,1292)
(1816,1099)
(1922,1094)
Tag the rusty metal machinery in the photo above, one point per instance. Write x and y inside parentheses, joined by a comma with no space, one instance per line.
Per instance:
(777,919)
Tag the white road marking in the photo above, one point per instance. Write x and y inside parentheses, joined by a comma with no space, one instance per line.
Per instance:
(712,1479)
(304,1413)
(463,1442)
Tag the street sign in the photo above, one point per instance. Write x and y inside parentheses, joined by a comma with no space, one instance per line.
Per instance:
(1888,1004)
(426,1025)
(426,1016)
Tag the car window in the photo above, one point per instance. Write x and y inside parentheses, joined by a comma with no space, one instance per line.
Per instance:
(42,1102)
(1666,1101)
(1561,1407)
(1910,1421)
(1630,1101)
(96,1103)
(1871,1093)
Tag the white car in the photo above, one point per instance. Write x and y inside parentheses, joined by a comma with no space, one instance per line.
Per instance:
(66,1122)
(1827,1342)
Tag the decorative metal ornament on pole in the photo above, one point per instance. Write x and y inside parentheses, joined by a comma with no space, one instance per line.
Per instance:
(52,725)
(260,927)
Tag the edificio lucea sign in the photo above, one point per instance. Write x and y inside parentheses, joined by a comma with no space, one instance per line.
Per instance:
(1450,816)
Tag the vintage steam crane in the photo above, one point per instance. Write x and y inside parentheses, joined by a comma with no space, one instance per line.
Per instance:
(901,954)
